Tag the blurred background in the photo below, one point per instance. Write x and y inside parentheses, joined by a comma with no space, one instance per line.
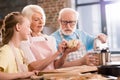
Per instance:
(95,16)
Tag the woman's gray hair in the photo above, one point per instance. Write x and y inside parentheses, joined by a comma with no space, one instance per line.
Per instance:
(68,10)
(29,10)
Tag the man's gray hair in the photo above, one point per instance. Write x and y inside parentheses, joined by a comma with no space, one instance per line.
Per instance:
(68,10)
(29,10)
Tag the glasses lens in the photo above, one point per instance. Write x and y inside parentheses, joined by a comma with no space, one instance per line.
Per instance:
(66,22)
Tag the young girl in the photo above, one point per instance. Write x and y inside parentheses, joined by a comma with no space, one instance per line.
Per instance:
(12,62)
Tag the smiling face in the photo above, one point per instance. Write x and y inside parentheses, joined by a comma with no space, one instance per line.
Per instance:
(37,23)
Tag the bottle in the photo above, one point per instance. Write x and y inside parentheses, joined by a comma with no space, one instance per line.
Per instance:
(102,51)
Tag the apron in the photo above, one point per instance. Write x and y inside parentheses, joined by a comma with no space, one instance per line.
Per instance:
(77,54)
(41,50)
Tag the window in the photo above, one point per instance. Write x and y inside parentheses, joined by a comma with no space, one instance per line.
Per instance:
(113,25)
(89,19)
(111,0)
(86,1)
(101,16)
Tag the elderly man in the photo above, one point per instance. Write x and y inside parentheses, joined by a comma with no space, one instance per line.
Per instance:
(68,20)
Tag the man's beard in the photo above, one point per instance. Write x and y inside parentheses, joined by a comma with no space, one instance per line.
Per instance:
(68,31)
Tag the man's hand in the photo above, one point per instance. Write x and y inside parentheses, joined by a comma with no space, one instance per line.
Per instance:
(90,59)
(66,47)
(102,37)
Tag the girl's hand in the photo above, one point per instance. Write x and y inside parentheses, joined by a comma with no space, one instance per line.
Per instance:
(26,74)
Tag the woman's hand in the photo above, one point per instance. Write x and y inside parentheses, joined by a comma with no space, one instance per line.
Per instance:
(72,49)
(66,49)
(62,46)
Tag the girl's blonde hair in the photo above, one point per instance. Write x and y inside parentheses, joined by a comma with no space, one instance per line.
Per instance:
(9,23)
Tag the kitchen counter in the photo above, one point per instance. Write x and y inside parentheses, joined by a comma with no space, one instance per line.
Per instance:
(115,57)
(72,73)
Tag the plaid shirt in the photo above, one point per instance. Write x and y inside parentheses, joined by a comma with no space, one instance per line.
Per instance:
(86,42)
(77,54)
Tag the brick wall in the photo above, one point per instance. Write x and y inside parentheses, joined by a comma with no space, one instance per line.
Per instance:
(51,8)
(7,6)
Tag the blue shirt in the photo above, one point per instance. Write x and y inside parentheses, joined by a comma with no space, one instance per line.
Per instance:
(85,38)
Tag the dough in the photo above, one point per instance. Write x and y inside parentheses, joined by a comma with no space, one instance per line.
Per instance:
(72,43)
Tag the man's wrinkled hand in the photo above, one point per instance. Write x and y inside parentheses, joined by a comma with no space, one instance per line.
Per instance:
(90,59)
(102,37)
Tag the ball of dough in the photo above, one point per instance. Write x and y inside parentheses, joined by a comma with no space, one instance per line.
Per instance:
(72,43)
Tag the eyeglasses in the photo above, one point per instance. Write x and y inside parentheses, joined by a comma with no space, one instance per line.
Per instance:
(66,22)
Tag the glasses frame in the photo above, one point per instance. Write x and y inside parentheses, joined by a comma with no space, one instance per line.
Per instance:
(71,23)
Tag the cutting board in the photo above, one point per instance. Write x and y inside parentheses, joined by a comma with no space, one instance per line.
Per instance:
(80,69)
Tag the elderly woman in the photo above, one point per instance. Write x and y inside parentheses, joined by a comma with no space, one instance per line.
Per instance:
(41,49)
